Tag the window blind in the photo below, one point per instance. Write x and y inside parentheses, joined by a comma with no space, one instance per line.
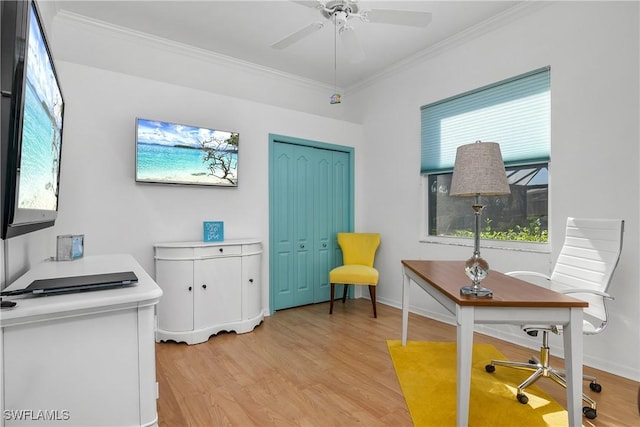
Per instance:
(514,113)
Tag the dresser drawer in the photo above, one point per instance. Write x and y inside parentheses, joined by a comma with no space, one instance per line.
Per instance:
(218,251)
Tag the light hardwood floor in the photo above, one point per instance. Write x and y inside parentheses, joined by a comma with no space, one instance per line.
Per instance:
(303,367)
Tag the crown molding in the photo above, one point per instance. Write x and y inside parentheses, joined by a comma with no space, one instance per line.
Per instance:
(506,17)
(110,30)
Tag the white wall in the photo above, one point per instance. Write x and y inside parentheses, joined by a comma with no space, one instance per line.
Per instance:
(81,40)
(99,196)
(158,79)
(593,51)
(592,48)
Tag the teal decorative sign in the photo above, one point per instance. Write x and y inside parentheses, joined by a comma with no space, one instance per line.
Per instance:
(213,231)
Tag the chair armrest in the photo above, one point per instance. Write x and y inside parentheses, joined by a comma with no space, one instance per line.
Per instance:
(587,291)
(528,273)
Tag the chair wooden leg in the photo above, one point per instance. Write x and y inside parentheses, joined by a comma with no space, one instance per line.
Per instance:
(372,294)
(333,289)
(344,292)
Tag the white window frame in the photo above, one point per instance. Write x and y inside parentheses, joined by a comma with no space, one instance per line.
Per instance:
(425,237)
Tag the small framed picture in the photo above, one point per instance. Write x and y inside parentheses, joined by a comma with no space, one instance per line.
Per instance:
(70,247)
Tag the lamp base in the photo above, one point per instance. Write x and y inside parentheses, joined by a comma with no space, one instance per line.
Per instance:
(476,292)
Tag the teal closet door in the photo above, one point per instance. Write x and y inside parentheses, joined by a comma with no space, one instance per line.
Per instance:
(331,213)
(310,202)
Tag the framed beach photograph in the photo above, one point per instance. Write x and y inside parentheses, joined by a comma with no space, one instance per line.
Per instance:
(171,153)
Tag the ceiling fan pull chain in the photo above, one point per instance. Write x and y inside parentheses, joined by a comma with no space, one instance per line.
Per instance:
(335,98)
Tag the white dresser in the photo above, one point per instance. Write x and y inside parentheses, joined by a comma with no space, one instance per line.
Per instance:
(208,288)
(82,359)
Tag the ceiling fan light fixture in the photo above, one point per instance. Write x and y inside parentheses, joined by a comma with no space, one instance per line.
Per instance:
(340,18)
(330,9)
(340,12)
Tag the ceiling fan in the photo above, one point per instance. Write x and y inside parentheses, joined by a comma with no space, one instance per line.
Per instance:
(340,12)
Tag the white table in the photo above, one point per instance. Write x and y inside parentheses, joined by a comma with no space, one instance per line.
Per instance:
(514,302)
(83,359)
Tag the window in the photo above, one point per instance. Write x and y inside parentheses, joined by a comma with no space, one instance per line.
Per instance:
(516,114)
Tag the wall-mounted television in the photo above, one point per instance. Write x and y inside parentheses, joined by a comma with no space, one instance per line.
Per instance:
(171,153)
(31,116)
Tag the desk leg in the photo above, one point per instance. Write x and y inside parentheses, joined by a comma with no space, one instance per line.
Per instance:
(405,306)
(465,346)
(572,335)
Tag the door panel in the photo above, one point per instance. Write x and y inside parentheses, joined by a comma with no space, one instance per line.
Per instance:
(341,185)
(282,224)
(176,280)
(303,223)
(324,229)
(309,187)
(251,287)
(217,291)
(341,189)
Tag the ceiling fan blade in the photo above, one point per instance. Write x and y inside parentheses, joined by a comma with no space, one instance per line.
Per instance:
(398,17)
(298,35)
(310,3)
(351,45)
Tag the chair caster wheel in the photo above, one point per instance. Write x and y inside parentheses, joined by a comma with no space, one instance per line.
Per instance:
(490,368)
(533,362)
(589,412)
(522,398)
(595,387)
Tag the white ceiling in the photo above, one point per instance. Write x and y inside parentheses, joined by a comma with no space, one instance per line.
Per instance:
(245,30)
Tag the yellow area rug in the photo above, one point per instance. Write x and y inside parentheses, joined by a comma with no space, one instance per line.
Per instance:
(427,375)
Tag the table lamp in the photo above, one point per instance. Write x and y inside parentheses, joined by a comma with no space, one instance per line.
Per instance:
(478,171)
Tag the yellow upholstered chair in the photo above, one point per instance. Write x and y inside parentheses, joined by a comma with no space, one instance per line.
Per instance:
(358,255)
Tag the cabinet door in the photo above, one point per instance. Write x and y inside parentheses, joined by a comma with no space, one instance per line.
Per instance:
(251,287)
(175,309)
(217,298)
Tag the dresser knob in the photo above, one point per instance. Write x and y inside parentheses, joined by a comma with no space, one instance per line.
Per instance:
(250,280)
(204,286)
(189,288)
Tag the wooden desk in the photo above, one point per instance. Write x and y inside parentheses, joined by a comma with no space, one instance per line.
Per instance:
(514,302)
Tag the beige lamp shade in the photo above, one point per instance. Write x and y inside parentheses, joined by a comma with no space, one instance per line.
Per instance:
(479,171)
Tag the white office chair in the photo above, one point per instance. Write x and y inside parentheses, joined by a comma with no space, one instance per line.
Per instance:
(584,269)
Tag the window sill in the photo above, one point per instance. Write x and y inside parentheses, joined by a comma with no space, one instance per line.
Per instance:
(533,247)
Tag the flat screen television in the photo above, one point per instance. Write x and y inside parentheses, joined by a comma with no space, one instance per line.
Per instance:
(170,153)
(31,116)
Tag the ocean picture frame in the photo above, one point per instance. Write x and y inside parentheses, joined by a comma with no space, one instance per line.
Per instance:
(213,231)
(171,153)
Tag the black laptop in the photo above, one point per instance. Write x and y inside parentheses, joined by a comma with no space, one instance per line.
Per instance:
(92,282)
